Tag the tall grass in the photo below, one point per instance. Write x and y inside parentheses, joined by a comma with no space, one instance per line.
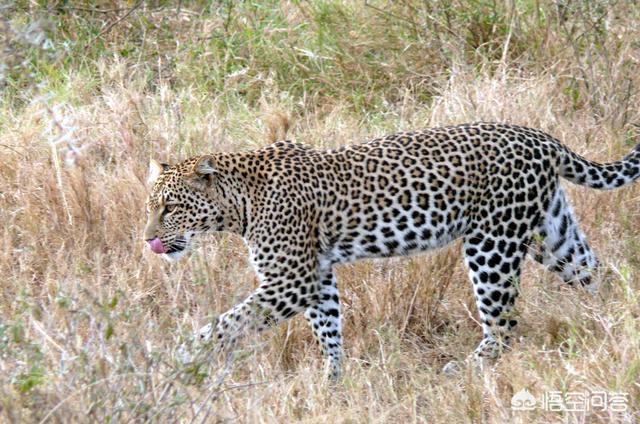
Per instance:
(90,321)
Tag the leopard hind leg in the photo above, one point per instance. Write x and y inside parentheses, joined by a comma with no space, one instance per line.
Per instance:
(562,247)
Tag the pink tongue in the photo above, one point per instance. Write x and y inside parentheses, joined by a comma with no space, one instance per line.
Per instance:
(156,245)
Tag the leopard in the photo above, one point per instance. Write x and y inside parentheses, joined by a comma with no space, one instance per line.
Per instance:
(302,211)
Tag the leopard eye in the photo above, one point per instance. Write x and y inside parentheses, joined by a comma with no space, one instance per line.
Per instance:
(170,207)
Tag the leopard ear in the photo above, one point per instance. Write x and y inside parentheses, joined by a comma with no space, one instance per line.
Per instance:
(155,169)
(205,165)
(202,172)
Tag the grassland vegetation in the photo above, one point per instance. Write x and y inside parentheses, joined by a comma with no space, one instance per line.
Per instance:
(90,91)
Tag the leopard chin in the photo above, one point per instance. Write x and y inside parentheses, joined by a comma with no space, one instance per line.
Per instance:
(174,256)
(177,249)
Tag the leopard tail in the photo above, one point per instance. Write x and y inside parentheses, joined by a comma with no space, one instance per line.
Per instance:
(601,176)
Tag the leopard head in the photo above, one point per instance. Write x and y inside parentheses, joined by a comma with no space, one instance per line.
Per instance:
(187,199)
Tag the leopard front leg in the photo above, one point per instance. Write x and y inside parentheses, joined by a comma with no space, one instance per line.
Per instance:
(289,284)
(229,326)
(324,319)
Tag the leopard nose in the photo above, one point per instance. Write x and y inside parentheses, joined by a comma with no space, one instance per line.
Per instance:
(156,246)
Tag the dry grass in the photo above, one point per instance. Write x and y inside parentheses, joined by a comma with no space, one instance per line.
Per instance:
(89,320)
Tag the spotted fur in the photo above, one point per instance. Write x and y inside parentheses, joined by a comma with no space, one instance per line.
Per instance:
(301,211)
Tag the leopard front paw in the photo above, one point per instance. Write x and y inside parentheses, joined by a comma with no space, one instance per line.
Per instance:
(203,335)
(216,333)
(183,354)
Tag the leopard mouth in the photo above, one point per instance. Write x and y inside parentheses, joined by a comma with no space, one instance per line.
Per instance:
(178,245)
